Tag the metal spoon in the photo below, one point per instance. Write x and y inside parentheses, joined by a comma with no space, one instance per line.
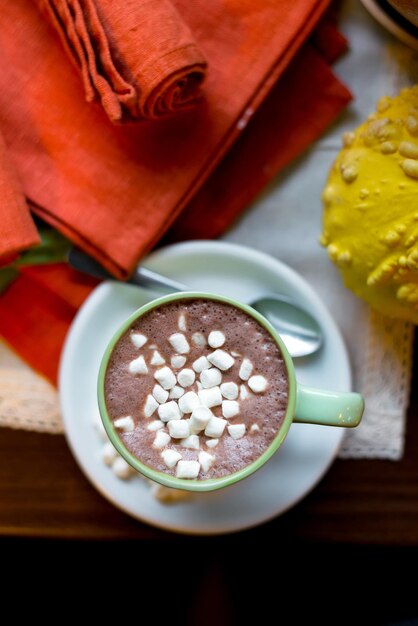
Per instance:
(300,332)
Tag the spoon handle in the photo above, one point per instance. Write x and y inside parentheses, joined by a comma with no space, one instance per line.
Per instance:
(142,276)
(148,279)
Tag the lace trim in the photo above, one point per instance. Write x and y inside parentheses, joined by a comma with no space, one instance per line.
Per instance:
(28,402)
(385,379)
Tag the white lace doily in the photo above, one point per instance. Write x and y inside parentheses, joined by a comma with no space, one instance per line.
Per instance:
(384,380)
(286,223)
(27,401)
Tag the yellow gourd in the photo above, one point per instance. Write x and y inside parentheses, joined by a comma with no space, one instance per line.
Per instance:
(370,218)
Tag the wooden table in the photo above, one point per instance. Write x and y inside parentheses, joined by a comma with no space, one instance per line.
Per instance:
(44,494)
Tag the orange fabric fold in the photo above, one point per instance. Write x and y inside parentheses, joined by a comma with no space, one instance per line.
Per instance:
(55,292)
(285,124)
(36,311)
(17,230)
(138,57)
(328,40)
(115,190)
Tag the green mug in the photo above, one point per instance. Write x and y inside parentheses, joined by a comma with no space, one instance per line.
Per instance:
(305,404)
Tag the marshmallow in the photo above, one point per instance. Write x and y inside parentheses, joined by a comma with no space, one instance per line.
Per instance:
(109,453)
(201,364)
(221,359)
(230,408)
(187,469)
(176,392)
(138,366)
(199,385)
(215,427)
(199,419)
(177,361)
(161,439)
(179,343)
(138,340)
(189,401)
(157,359)
(199,340)
(121,468)
(216,339)
(169,411)
(236,431)
(151,405)
(210,397)
(206,460)
(182,322)
(155,425)
(171,457)
(212,443)
(186,377)
(167,495)
(179,429)
(243,392)
(124,423)
(229,391)
(258,384)
(160,394)
(246,369)
(165,377)
(191,442)
(254,428)
(211,378)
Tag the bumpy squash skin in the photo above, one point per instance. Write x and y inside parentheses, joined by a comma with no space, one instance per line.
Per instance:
(370,218)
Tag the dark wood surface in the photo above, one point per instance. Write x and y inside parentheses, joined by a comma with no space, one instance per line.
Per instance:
(44,494)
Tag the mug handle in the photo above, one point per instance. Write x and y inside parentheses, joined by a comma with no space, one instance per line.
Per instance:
(330,408)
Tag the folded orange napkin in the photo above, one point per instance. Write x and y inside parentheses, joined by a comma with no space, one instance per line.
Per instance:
(137,56)
(115,190)
(297,109)
(17,230)
(37,309)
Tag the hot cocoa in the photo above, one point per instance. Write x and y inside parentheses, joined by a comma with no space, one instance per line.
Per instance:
(196,389)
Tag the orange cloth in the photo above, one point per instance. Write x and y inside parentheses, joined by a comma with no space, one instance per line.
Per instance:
(285,124)
(17,230)
(37,309)
(137,56)
(115,190)
(297,109)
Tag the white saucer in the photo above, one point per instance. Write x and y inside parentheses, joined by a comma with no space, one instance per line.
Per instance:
(306,454)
